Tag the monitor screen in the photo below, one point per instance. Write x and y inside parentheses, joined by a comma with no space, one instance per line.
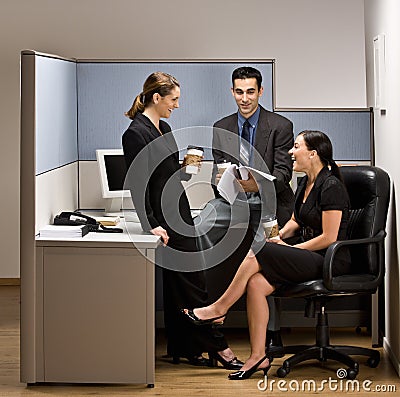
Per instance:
(116,171)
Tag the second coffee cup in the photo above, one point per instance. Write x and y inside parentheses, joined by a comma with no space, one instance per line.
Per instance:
(271,229)
(223,166)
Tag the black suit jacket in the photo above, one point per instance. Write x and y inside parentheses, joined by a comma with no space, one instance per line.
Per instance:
(274,139)
(154,178)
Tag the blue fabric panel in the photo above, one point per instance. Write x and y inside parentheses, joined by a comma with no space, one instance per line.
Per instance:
(56,113)
(107,90)
(349,131)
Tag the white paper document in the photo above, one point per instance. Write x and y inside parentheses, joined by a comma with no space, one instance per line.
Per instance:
(62,231)
(229,187)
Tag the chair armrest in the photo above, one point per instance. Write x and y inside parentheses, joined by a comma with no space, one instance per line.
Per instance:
(329,279)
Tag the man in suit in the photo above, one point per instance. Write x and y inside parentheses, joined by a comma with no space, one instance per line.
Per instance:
(261,139)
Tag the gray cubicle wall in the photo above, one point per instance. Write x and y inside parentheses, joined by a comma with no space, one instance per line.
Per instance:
(55,135)
(349,130)
(107,90)
(56,113)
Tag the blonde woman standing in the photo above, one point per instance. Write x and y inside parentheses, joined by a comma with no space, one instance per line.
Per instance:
(163,210)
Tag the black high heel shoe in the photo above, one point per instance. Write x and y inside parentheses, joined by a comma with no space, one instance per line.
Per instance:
(189,315)
(241,375)
(233,364)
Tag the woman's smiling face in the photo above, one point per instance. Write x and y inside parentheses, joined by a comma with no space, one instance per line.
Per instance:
(300,155)
(166,104)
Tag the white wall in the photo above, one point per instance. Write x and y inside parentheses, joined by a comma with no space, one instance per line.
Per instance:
(318,46)
(382,17)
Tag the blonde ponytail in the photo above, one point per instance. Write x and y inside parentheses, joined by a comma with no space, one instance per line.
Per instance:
(137,106)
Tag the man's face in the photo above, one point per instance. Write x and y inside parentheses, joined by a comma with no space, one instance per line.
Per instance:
(246,94)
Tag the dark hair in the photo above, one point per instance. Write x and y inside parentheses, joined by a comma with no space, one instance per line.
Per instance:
(247,72)
(320,142)
(157,82)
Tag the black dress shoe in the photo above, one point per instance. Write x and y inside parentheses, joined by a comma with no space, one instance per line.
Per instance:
(198,361)
(274,345)
(241,375)
(233,364)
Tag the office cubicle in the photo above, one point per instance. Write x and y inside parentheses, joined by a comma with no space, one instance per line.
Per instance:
(78,107)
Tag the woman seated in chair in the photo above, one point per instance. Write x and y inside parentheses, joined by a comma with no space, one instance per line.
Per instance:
(320,218)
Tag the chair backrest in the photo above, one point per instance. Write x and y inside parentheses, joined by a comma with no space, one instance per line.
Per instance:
(369,191)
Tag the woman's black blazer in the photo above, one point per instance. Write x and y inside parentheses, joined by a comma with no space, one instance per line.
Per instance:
(154,177)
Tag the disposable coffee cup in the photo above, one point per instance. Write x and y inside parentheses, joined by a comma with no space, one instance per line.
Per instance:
(271,229)
(223,166)
(192,160)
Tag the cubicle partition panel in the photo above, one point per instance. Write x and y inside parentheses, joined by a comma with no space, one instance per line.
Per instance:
(107,89)
(55,135)
(348,129)
(49,173)
(56,132)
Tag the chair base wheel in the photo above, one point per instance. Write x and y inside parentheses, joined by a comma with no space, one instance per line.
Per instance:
(351,373)
(282,372)
(373,362)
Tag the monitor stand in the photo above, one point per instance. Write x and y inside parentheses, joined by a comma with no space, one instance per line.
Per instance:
(114,208)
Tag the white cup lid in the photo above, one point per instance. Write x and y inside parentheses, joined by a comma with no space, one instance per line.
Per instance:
(224,165)
(270,223)
(195,152)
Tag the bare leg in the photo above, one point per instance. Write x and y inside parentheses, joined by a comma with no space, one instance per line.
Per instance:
(258,288)
(235,290)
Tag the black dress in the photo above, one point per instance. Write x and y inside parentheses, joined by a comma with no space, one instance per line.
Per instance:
(283,264)
(160,200)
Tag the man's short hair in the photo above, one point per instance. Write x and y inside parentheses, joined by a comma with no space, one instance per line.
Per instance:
(247,72)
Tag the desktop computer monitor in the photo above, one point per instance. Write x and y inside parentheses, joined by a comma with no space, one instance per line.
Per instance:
(112,168)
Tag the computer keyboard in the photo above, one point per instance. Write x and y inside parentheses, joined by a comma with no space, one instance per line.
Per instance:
(131,216)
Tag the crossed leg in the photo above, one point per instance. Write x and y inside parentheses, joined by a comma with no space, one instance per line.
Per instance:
(247,278)
(248,268)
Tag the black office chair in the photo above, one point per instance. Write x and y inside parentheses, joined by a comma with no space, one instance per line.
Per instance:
(369,190)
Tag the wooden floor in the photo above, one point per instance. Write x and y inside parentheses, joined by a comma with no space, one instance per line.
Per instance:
(185,380)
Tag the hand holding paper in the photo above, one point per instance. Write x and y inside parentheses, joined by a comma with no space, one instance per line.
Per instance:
(229,186)
(249,184)
(255,173)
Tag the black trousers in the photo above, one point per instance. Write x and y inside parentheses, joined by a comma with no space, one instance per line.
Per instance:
(186,289)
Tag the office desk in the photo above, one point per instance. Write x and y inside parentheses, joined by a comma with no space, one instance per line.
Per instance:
(93,309)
